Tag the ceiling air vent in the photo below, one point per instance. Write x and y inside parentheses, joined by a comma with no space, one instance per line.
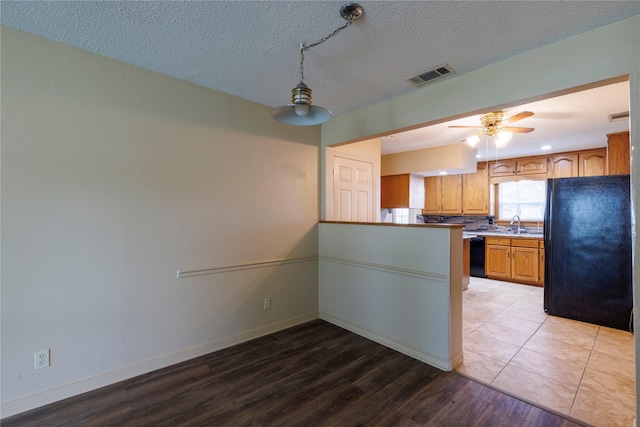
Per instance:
(615,117)
(432,75)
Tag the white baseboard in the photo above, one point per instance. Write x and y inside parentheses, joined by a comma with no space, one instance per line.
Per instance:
(428,358)
(456,361)
(46,397)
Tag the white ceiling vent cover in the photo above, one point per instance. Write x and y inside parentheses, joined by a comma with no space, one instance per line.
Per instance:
(432,75)
(615,117)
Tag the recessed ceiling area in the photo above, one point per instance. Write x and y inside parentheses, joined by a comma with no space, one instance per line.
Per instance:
(570,122)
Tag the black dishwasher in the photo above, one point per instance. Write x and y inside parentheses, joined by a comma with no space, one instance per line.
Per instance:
(476,249)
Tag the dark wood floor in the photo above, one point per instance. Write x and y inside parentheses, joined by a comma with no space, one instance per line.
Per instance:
(315,374)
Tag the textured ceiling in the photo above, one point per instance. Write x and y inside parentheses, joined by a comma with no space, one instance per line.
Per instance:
(251,48)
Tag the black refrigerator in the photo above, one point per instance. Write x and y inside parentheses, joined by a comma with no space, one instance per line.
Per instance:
(587,238)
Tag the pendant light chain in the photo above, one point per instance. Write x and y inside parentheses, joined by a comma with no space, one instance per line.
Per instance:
(304,47)
(301,112)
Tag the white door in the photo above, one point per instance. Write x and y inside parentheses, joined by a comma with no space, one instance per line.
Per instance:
(352,190)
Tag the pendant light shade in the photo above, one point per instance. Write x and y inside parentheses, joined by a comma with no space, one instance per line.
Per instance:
(287,114)
(300,112)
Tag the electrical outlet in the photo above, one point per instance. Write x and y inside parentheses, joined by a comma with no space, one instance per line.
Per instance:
(41,359)
(267,303)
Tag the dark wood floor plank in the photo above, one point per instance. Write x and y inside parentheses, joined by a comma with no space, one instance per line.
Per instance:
(541,418)
(426,402)
(504,411)
(369,410)
(481,391)
(414,378)
(461,411)
(326,403)
(241,401)
(314,374)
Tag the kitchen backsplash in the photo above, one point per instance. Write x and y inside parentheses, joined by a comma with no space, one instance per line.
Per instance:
(476,223)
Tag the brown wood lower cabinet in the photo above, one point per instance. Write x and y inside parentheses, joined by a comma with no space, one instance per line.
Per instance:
(514,259)
(541,255)
(466,263)
(498,258)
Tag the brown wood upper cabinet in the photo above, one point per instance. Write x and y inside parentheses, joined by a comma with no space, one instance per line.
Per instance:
(578,163)
(523,166)
(443,195)
(563,166)
(619,156)
(592,162)
(502,168)
(475,191)
(402,191)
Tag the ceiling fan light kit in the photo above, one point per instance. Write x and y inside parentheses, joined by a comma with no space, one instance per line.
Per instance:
(502,138)
(473,140)
(492,124)
(300,112)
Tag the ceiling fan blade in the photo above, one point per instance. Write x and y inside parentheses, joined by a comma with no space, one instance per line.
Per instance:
(466,127)
(517,117)
(518,130)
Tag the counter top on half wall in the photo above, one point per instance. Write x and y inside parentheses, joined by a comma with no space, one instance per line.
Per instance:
(397,284)
(391,224)
(506,235)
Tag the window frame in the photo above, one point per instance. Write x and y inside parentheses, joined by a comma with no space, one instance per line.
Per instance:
(495,195)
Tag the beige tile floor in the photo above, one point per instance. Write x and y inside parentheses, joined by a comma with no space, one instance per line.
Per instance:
(578,369)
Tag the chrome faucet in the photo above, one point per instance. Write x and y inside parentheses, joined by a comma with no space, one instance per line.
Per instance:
(513,219)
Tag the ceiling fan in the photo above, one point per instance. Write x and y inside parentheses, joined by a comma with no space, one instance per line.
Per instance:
(491,124)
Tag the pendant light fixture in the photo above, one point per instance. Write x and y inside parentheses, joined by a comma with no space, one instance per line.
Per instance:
(300,112)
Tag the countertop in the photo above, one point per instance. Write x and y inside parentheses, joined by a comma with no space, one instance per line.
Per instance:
(498,234)
(390,224)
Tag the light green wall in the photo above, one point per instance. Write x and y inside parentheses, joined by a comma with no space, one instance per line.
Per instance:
(397,285)
(113,178)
